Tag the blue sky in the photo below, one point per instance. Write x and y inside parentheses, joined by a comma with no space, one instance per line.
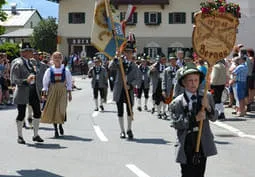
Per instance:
(45,8)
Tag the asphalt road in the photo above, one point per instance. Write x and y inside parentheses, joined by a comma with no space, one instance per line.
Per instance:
(91,146)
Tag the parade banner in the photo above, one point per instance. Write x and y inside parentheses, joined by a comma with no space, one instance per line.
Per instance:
(102,36)
(215,27)
(214,36)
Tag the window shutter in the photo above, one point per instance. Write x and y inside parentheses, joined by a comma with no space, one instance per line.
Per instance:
(159,50)
(171,18)
(192,17)
(70,17)
(135,17)
(184,18)
(159,18)
(146,18)
(122,16)
(83,17)
(145,50)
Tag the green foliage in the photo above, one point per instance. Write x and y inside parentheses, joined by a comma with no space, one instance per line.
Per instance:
(11,49)
(3,16)
(45,35)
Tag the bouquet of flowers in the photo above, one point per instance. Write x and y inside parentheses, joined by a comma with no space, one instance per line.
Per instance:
(220,6)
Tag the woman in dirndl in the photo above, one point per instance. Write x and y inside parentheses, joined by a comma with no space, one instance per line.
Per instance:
(57,85)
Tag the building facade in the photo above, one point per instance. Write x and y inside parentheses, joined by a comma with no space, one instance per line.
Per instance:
(160,26)
(19,24)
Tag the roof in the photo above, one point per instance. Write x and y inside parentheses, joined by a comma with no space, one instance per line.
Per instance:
(57,1)
(147,2)
(120,2)
(22,32)
(20,18)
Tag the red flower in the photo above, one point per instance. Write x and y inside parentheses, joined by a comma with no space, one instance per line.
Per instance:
(222,9)
(205,10)
(238,8)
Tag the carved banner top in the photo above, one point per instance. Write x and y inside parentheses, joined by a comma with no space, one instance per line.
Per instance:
(215,28)
(214,35)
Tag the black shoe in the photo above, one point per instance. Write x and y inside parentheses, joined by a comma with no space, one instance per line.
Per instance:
(159,116)
(248,108)
(38,139)
(122,135)
(139,108)
(145,108)
(102,108)
(61,130)
(222,116)
(164,116)
(130,134)
(21,140)
(152,110)
(96,109)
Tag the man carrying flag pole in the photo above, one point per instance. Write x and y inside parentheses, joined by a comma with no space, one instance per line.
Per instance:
(107,36)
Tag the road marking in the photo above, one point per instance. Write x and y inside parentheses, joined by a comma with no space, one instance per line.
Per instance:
(234,130)
(136,170)
(100,134)
(95,114)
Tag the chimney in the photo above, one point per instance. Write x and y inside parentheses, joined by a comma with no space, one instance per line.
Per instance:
(14,8)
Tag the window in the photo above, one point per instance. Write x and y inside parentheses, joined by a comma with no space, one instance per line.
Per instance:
(77,18)
(152,18)
(152,51)
(31,25)
(132,20)
(177,18)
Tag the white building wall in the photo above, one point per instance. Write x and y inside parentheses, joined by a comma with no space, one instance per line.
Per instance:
(35,19)
(165,35)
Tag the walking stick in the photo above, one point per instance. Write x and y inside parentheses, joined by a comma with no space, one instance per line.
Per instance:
(196,159)
(120,59)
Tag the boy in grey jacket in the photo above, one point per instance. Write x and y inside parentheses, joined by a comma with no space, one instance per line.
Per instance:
(186,112)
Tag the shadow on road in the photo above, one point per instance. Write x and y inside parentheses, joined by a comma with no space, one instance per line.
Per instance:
(108,111)
(233,119)
(222,142)
(46,146)
(32,173)
(72,138)
(151,141)
(226,135)
(46,128)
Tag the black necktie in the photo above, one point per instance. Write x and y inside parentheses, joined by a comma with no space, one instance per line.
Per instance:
(194,104)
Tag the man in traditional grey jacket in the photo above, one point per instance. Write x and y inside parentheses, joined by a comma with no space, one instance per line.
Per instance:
(99,82)
(40,69)
(119,95)
(186,112)
(24,76)
(156,74)
(144,84)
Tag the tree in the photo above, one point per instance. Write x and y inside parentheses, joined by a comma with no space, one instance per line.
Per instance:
(3,16)
(45,35)
(11,49)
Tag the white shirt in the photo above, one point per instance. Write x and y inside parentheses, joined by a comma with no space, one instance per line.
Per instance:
(47,79)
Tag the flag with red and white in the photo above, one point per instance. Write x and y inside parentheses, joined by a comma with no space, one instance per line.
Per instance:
(131,9)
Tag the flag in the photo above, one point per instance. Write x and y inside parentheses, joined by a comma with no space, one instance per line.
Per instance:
(131,9)
(102,34)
